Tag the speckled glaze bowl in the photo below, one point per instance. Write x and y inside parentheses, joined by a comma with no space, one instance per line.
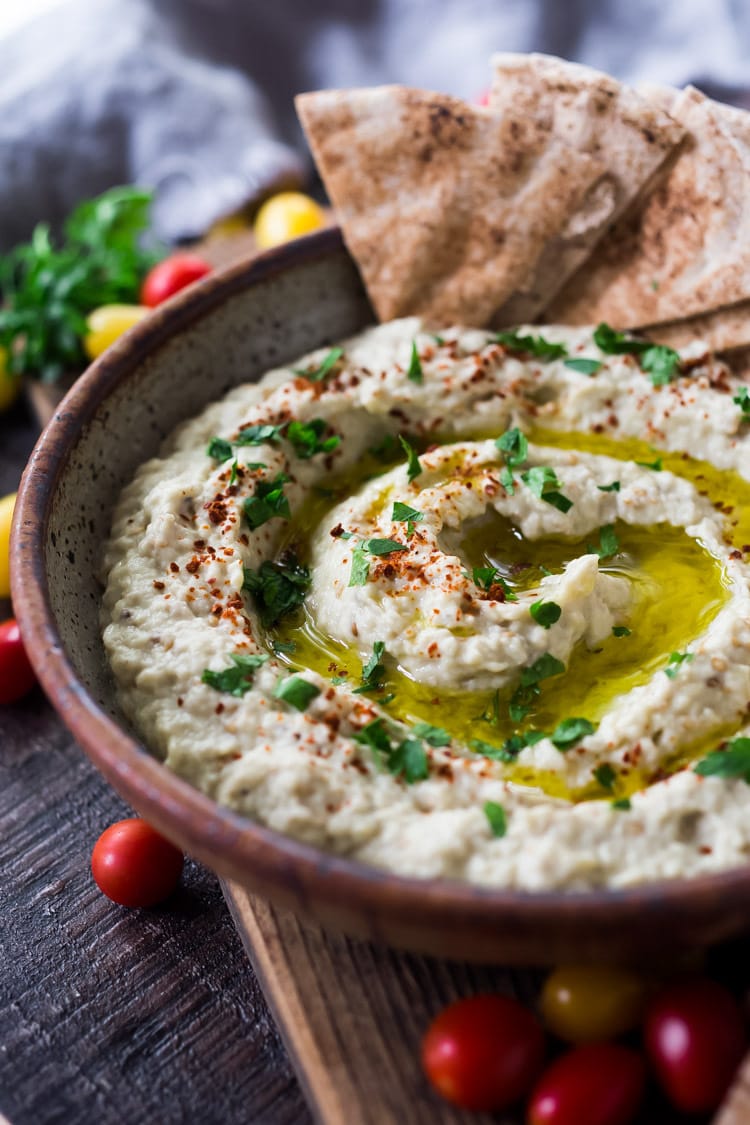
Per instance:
(228,329)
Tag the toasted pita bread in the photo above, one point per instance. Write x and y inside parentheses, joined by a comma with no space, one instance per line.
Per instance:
(591,112)
(687,251)
(448,209)
(722,331)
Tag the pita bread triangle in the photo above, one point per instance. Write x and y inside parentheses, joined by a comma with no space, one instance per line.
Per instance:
(448,209)
(686,251)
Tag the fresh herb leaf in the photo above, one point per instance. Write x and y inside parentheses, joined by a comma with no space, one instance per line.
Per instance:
(317,374)
(545,613)
(233,472)
(219,449)
(531,345)
(259,434)
(439,340)
(306,438)
(514,446)
(414,467)
(674,662)
(360,567)
(277,588)
(513,746)
(733,761)
(409,760)
(48,289)
(570,731)
(618,343)
(608,543)
(620,631)
(584,366)
(374,735)
(661,363)
(239,678)
(528,689)
(414,371)
(485,577)
(605,776)
(295,691)
(655,465)
(287,647)
(613,487)
(435,736)
(491,714)
(622,804)
(496,817)
(267,501)
(742,398)
(542,481)
(381,547)
(488,750)
(373,671)
(404,513)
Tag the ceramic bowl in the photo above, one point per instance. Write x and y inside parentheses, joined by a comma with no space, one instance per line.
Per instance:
(226,330)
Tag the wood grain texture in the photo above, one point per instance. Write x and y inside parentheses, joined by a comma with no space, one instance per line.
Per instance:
(109,1015)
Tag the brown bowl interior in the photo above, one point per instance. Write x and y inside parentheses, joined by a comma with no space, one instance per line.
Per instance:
(224,331)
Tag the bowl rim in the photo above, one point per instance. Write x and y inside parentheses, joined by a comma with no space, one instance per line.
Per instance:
(178,805)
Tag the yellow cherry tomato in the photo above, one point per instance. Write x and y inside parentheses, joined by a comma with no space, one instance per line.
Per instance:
(107,324)
(10,384)
(583,1003)
(7,504)
(285,216)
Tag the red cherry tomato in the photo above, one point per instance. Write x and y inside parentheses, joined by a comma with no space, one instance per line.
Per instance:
(695,1038)
(135,866)
(483,1053)
(596,1084)
(168,277)
(16,674)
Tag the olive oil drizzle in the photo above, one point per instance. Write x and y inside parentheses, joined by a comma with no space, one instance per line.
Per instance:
(678,589)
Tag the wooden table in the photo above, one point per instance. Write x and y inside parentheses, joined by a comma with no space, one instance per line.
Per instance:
(110,1016)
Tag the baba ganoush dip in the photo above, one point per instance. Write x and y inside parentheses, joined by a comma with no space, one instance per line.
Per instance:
(464,604)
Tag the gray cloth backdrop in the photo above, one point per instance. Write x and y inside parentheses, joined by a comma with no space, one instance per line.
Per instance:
(194,97)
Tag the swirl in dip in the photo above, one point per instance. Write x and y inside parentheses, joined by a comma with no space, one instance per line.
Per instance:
(458,605)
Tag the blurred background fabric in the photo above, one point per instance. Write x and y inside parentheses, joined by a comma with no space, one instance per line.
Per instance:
(194,97)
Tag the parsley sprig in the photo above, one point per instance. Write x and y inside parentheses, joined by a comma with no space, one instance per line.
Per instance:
(542,481)
(267,501)
(406,759)
(324,369)
(661,363)
(277,588)
(731,762)
(537,346)
(514,446)
(528,688)
(360,571)
(49,288)
(238,678)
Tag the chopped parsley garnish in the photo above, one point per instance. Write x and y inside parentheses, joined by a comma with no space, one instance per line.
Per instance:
(325,368)
(732,762)
(742,398)
(414,371)
(542,481)
(620,631)
(528,689)
(605,776)
(382,546)
(496,817)
(414,467)
(674,662)
(267,501)
(531,345)
(219,449)
(491,714)
(373,671)
(485,577)
(513,746)
(360,571)
(613,487)
(258,435)
(435,736)
(655,465)
(660,362)
(306,438)
(545,613)
(277,588)
(514,446)
(287,647)
(438,339)
(570,731)
(407,759)
(609,544)
(295,691)
(488,750)
(403,513)
(237,679)
(584,366)
(622,804)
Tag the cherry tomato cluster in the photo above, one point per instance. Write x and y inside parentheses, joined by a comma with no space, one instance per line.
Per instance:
(487,1052)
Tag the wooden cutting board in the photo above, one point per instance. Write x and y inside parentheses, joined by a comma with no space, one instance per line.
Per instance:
(352,1016)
